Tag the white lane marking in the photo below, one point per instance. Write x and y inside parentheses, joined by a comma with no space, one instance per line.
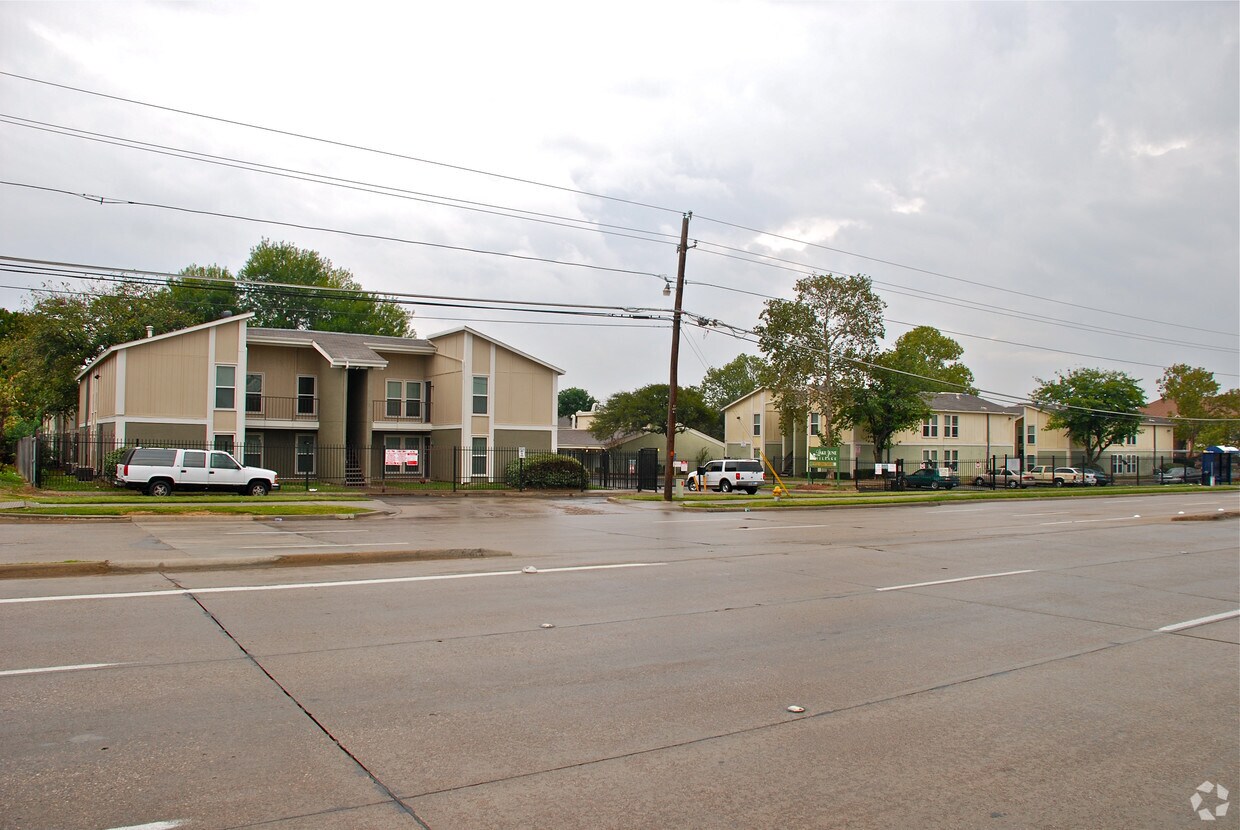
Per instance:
(1199,503)
(782,527)
(295,585)
(1226,615)
(49,669)
(961,510)
(316,545)
(1031,515)
(694,521)
(948,581)
(285,532)
(1090,521)
(154,825)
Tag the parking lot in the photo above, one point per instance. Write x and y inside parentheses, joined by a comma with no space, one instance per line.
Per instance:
(1032,663)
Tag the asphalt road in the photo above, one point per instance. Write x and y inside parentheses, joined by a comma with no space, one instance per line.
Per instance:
(1019,664)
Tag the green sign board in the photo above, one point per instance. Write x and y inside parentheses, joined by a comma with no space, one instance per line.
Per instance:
(824,455)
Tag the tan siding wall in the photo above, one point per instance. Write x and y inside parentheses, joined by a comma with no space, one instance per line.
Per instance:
(104,401)
(482,356)
(152,435)
(227,340)
(400,367)
(533,440)
(225,421)
(331,389)
(523,390)
(479,425)
(168,377)
(445,375)
(280,366)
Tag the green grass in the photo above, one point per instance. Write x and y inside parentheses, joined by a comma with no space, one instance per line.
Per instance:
(186,509)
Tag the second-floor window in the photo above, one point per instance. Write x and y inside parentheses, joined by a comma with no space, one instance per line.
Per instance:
(757,425)
(480,396)
(253,393)
(225,387)
(1031,434)
(305,395)
(404,399)
(951,426)
(814,426)
(930,427)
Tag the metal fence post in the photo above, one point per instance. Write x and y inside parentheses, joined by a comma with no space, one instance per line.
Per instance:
(456,461)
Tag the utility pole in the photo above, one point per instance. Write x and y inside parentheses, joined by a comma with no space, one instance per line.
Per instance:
(683,250)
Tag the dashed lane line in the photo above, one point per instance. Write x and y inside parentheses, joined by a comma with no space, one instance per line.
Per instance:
(349,583)
(1226,615)
(50,669)
(949,581)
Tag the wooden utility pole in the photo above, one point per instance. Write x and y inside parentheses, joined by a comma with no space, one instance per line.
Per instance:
(683,250)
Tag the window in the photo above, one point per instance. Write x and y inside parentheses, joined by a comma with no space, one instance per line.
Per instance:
(480,453)
(929,458)
(951,426)
(1123,464)
(225,387)
(951,458)
(1031,434)
(223,442)
(1130,440)
(480,396)
(930,427)
(404,399)
(194,458)
(813,423)
(757,425)
(252,454)
(304,445)
(1030,460)
(253,393)
(406,463)
(305,395)
(223,461)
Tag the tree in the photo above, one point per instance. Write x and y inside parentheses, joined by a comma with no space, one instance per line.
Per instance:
(1190,389)
(896,395)
(645,410)
(1224,432)
(817,344)
(331,300)
(573,400)
(735,379)
(200,294)
(1096,407)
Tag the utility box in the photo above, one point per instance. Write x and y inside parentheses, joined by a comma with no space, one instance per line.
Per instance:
(1217,463)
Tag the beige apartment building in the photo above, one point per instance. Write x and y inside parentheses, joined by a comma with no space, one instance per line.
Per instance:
(301,402)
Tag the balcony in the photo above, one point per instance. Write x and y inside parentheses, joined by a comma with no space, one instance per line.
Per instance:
(302,409)
(397,411)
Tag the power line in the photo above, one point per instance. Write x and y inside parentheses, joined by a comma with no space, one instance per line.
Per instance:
(105,200)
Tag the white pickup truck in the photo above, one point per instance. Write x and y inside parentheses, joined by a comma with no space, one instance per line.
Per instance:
(158,471)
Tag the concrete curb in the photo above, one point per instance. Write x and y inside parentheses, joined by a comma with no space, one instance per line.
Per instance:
(56,570)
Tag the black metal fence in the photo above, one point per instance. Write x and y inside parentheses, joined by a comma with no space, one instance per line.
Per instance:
(78,461)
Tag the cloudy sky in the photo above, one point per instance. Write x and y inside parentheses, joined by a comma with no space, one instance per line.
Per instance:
(1053,185)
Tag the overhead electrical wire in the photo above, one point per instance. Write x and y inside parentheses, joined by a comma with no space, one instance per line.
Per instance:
(532,182)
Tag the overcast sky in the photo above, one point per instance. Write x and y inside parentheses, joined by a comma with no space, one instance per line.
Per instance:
(1053,185)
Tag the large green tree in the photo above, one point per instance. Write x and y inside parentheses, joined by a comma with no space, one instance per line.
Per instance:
(897,392)
(734,379)
(290,288)
(817,345)
(1096,407)
(1190,388)
(573,400)
(645,410)
(1224,428)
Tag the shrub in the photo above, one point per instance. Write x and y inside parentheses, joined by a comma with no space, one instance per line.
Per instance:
(545,471)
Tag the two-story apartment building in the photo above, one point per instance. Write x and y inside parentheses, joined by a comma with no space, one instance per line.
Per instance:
(299,401)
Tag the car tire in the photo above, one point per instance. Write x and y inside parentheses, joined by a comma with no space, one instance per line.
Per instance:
(691,485)
(1059,482)
(1013,484)
(934,485)
(159,489)
(753,491)
(979,482)
(725,486)
(257,488)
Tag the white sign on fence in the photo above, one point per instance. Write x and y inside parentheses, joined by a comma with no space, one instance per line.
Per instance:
(394,457)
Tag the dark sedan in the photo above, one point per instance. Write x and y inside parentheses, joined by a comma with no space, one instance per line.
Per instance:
(1100,476)
(930,479)
(1178,475)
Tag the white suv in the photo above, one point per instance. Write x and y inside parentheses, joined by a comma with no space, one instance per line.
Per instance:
(158,471)
(728,475)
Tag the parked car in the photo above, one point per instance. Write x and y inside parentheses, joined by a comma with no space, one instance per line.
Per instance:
(1056,476)
(158,471)
(1096,475)
(728,475)
(1011,479)
(1178,475)
(929,478)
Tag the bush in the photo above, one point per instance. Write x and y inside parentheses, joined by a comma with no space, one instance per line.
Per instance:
(545,471)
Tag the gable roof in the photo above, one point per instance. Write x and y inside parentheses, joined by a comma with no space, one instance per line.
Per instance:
(342,350)
(964,402)
(110,350)
(490,339)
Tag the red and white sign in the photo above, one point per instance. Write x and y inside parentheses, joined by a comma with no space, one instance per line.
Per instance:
(393,457)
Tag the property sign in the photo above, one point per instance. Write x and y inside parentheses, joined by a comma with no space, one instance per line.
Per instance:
(394,457)
(824,455)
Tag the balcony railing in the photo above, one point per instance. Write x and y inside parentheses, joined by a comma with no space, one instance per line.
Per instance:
(271,408)
(399,411)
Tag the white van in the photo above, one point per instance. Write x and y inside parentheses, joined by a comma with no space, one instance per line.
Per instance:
(728,475)
(158,471)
